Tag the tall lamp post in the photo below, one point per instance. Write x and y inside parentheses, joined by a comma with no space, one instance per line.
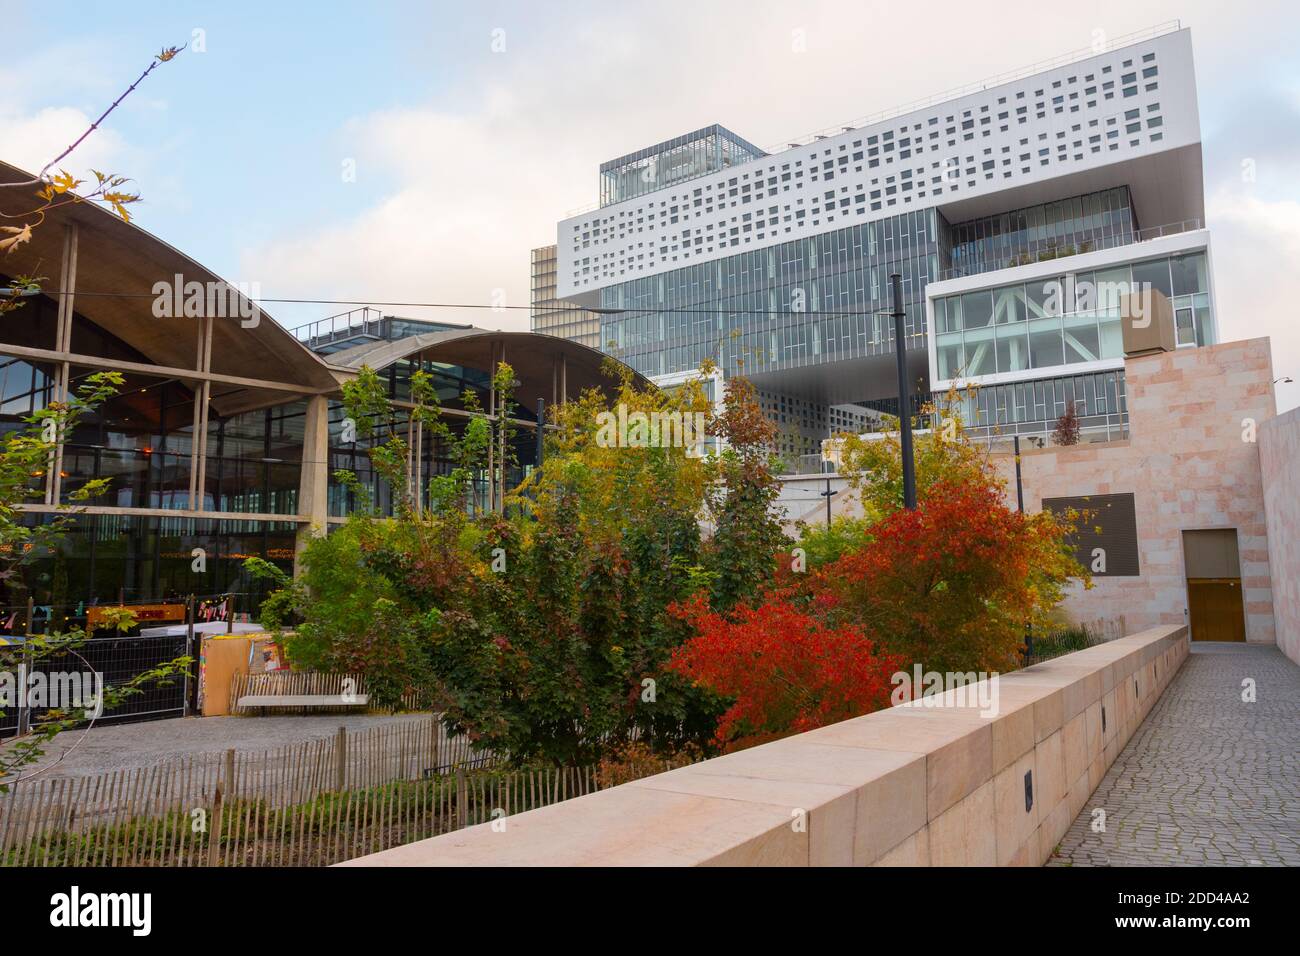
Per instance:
(904,392)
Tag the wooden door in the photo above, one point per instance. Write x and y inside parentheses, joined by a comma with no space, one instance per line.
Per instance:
(1215,609)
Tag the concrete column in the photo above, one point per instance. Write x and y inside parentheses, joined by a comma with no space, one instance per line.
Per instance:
(313,484)
(200,452)
(63,343)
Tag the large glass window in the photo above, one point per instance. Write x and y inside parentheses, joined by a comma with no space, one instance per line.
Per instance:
(1111,286)
(1071,319)
(1087,223)
(980,353)
(1082,341)
(102,558)
(139,439)
(1189,274)
(1045,296)
(976,309)
(1013,347)
(950,354)
(255,460)
(1009,304)
(1154,274)
(1045,346)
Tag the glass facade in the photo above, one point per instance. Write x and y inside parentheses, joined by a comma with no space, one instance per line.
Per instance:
(673,161)
(817,300)
(552,316)
(1100,220)
(1064,320)
(803,302)
(102,558)
(1033,407)
(450,382)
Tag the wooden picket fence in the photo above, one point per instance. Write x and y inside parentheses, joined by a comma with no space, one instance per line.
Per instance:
(309,803)
(238,828)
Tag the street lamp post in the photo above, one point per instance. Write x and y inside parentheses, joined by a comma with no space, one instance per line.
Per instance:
(904,392)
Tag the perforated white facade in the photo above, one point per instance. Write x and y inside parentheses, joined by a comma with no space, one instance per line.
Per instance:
(1127,116)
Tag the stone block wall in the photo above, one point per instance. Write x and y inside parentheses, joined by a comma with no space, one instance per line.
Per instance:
(909,786)
(1192,462)
(1279,457)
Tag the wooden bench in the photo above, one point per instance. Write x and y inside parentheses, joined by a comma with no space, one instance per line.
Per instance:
(266,701)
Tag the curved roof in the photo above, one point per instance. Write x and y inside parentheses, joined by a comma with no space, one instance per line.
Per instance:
(534,358)
(125,261)
(118,265)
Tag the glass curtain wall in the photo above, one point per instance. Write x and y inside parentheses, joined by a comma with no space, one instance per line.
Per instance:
(1034,407)
(802,302)
(106,558)
(1100,220)
(450,382)
(676,160)
(1064,320)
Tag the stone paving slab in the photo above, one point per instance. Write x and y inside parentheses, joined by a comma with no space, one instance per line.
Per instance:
(1208,779)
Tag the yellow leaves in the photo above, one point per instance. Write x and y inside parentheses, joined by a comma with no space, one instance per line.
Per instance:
(119,200)
(17,236)
(64,182)
(168,53)
(106,189)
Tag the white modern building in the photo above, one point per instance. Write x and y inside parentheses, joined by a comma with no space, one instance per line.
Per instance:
(1013,210)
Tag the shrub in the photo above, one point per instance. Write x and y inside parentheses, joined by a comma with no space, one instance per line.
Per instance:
(953,583)
(783,670)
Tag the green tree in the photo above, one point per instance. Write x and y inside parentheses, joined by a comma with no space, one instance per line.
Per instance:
(741,552)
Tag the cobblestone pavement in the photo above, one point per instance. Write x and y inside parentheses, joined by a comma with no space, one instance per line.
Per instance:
(1207,780)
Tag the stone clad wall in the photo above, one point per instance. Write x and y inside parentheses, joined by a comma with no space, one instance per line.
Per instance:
(1192,462)
(907,786)
(1279,458)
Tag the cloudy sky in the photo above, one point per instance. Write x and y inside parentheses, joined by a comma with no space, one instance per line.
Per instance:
(404,151)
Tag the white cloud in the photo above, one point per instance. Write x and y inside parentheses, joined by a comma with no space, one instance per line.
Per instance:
(31,141)
(1256,244)
(480,174)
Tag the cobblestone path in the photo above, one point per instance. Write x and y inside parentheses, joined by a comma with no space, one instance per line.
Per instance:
(1208,779)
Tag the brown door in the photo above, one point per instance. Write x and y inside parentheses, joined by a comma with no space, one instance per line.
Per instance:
(1215,608)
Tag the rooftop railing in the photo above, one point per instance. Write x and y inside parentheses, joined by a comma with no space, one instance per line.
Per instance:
(344,325)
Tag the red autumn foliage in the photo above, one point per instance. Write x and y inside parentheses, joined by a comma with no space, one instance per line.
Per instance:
(785,671)
(952,583)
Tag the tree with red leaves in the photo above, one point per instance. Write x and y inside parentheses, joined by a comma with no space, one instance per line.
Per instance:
(952,584)
(1067,427)
(784,670)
